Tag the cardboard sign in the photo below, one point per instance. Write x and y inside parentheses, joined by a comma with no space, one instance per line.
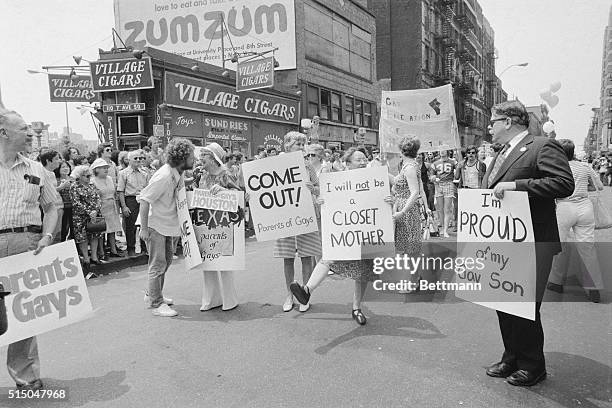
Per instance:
(192,29)
(64,88)
(48,291)
(218,222)
(256,74)
(121,74)
(222,201)
(280,203)
(428,114)
(188,235)
(356,221)
(500,233)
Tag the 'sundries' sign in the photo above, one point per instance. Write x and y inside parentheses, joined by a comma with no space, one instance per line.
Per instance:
(121,74)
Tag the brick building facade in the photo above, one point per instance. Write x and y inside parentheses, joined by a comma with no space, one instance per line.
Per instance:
(428,43)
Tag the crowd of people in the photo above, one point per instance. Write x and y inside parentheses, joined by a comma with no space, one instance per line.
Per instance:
(133,194)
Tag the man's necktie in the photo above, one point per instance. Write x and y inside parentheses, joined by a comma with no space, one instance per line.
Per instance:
(498,163)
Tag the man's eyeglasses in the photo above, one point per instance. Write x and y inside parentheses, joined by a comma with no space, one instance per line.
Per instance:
(492,121)
(471,152)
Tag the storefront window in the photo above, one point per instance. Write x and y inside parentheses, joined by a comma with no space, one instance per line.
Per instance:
(348,109)
(336,109)
(325,104)
(313,101)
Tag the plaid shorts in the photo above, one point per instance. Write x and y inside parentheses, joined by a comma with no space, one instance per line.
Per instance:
(446,189)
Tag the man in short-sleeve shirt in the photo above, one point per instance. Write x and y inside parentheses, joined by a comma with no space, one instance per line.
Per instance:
(131,181)
(24,188)
(159,220)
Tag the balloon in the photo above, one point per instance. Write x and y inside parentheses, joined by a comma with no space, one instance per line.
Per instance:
(548,127)
(555,86)
(545,94)
(554,100)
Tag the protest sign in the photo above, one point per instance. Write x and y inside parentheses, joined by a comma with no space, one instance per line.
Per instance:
(222,201)
(188,236)
(500,233)
(356,221)
(428,114)
(219,228)
(48,291)
(280,202)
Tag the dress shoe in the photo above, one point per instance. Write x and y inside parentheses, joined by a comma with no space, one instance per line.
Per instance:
(288,305)
(359,317)
(304,308)
(131,253)
(594,296)
(115,255)
(554,287)
(34,385)
(301,293)
(524,378)
(501,370)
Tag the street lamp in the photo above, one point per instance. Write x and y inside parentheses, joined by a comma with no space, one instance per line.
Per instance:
(72,74)
(522,64)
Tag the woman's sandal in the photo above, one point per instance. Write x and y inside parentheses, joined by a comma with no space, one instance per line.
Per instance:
(359,317)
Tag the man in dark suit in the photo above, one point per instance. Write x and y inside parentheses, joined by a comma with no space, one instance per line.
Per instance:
(538,166)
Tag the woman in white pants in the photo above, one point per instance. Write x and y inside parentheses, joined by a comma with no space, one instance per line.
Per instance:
(575,213)
(218,289)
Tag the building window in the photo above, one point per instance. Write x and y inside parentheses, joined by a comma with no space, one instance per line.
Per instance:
(426,58)
(325,104)
(332,40)
(313,101)
(336,107)
(348,109)
(358,112)
(367,114)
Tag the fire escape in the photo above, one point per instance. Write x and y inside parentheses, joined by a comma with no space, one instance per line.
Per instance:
(447,41)
(466,58)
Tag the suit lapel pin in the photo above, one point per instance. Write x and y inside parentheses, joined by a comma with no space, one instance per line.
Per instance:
(523,149)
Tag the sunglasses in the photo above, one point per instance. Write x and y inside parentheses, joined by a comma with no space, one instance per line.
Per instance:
(311,155)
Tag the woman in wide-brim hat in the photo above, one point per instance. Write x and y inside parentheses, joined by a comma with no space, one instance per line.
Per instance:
(218,289)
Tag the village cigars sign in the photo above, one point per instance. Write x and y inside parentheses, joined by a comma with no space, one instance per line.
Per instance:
(198,94)
(121,74)
(63,88)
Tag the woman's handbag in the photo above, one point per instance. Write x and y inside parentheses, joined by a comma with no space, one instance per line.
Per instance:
(603,218)
(96,225)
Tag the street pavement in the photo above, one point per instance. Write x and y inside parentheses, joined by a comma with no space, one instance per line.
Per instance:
(415,351)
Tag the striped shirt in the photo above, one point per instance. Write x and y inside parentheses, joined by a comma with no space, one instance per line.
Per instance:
(21,194)
(581,172)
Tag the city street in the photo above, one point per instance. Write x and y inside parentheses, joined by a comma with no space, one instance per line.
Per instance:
(418,351)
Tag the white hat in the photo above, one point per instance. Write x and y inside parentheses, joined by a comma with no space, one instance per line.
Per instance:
(98,163)
(217,151)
